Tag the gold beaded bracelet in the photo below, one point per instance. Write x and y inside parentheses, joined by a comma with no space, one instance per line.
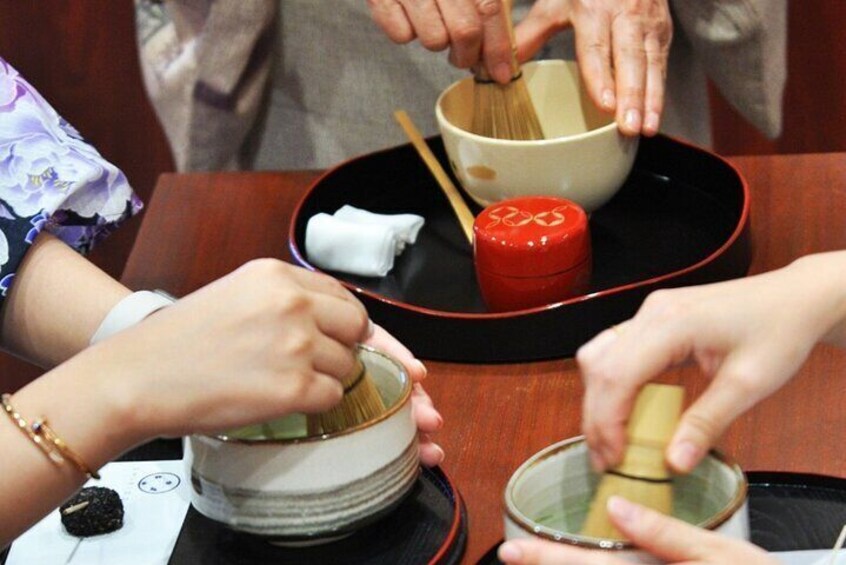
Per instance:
(46,439)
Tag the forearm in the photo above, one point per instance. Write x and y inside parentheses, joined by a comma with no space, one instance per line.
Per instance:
(56,303)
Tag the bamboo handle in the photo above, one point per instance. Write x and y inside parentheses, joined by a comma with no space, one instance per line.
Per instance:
(509,24)
(643,475)
(459,207)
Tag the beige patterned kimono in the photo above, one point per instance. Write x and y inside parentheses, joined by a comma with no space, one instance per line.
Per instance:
(295,84)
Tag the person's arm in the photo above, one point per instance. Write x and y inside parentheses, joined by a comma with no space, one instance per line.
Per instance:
(284,332)
(58,300)
(670,539)
(748,335)
(52,182)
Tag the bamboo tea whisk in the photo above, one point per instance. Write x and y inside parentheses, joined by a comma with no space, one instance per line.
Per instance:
(643,476)
(504,111)
(361,402)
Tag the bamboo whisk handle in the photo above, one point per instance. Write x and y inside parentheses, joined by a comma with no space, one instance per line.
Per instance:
(643,476)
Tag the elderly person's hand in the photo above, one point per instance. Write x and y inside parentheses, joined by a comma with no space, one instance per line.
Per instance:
(622,48)
(748,335)
(671,540)
(474,31)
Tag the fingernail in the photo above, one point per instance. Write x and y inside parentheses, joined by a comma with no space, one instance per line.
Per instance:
(502,73)
(608,101)
(632,120)
(509,552)
(440,421)
(371,328)
(650,124)
(684,455)
(421,368)
(623,511)
(441,453)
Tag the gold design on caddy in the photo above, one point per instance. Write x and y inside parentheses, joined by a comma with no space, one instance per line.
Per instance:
(513,217)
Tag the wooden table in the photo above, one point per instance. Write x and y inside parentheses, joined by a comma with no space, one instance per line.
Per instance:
(200,226)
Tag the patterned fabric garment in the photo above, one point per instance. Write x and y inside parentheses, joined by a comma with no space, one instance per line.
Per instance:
(50,179)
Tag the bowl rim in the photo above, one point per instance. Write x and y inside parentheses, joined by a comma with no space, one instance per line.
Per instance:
(537,530)
(445,123)
(401,402)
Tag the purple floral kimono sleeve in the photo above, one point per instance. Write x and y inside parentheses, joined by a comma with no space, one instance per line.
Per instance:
(50,179)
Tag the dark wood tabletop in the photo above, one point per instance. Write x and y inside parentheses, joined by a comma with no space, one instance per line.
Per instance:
(198,227)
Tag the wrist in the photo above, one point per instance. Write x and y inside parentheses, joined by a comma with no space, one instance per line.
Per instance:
(129,311)
(822,276)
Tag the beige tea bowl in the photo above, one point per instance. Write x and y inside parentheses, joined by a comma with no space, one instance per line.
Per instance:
(274,481)
(583,158)
(549,495)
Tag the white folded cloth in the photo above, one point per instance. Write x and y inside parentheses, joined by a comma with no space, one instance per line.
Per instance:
(359,249)
(406,226)
(359,242)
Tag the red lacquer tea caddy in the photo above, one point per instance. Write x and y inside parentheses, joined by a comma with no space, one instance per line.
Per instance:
(531,251)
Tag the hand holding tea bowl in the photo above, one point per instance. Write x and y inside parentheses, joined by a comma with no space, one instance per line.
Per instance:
(291,486)
(547,500)
(667,538)
(748,335)
(584,156)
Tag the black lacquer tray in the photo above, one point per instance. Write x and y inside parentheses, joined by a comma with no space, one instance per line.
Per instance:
(429,526)
(787,512)
(681,218)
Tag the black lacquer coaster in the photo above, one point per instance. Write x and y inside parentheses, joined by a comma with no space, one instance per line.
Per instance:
(429,526)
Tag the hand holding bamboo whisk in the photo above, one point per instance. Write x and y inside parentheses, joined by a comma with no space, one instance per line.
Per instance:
(643,477)
(361,402)
(504,111)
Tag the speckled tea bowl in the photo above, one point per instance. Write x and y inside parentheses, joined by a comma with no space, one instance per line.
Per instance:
(549,495)
(299,490)
(584,157)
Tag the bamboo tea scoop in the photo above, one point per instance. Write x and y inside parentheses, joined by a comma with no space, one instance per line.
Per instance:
(459,207)
(643,476)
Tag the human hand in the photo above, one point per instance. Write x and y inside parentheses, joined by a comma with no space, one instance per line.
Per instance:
(474,31)
(622,49)
(747,335)
(667,538)
(426,416)
(266,340)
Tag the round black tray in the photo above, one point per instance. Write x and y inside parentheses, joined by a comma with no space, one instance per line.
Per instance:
(681,218)
(787,512)
(429,526)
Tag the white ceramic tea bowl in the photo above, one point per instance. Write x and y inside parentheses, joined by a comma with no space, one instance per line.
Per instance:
(294,489)
(583,158)
(549,495)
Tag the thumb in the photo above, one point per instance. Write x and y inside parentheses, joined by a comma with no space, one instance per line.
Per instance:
(658,534)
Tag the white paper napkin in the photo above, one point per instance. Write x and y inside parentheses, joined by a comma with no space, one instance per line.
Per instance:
(406,226)
(155,499)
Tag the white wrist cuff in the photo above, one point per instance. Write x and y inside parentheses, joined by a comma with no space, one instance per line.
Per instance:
(130,311)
